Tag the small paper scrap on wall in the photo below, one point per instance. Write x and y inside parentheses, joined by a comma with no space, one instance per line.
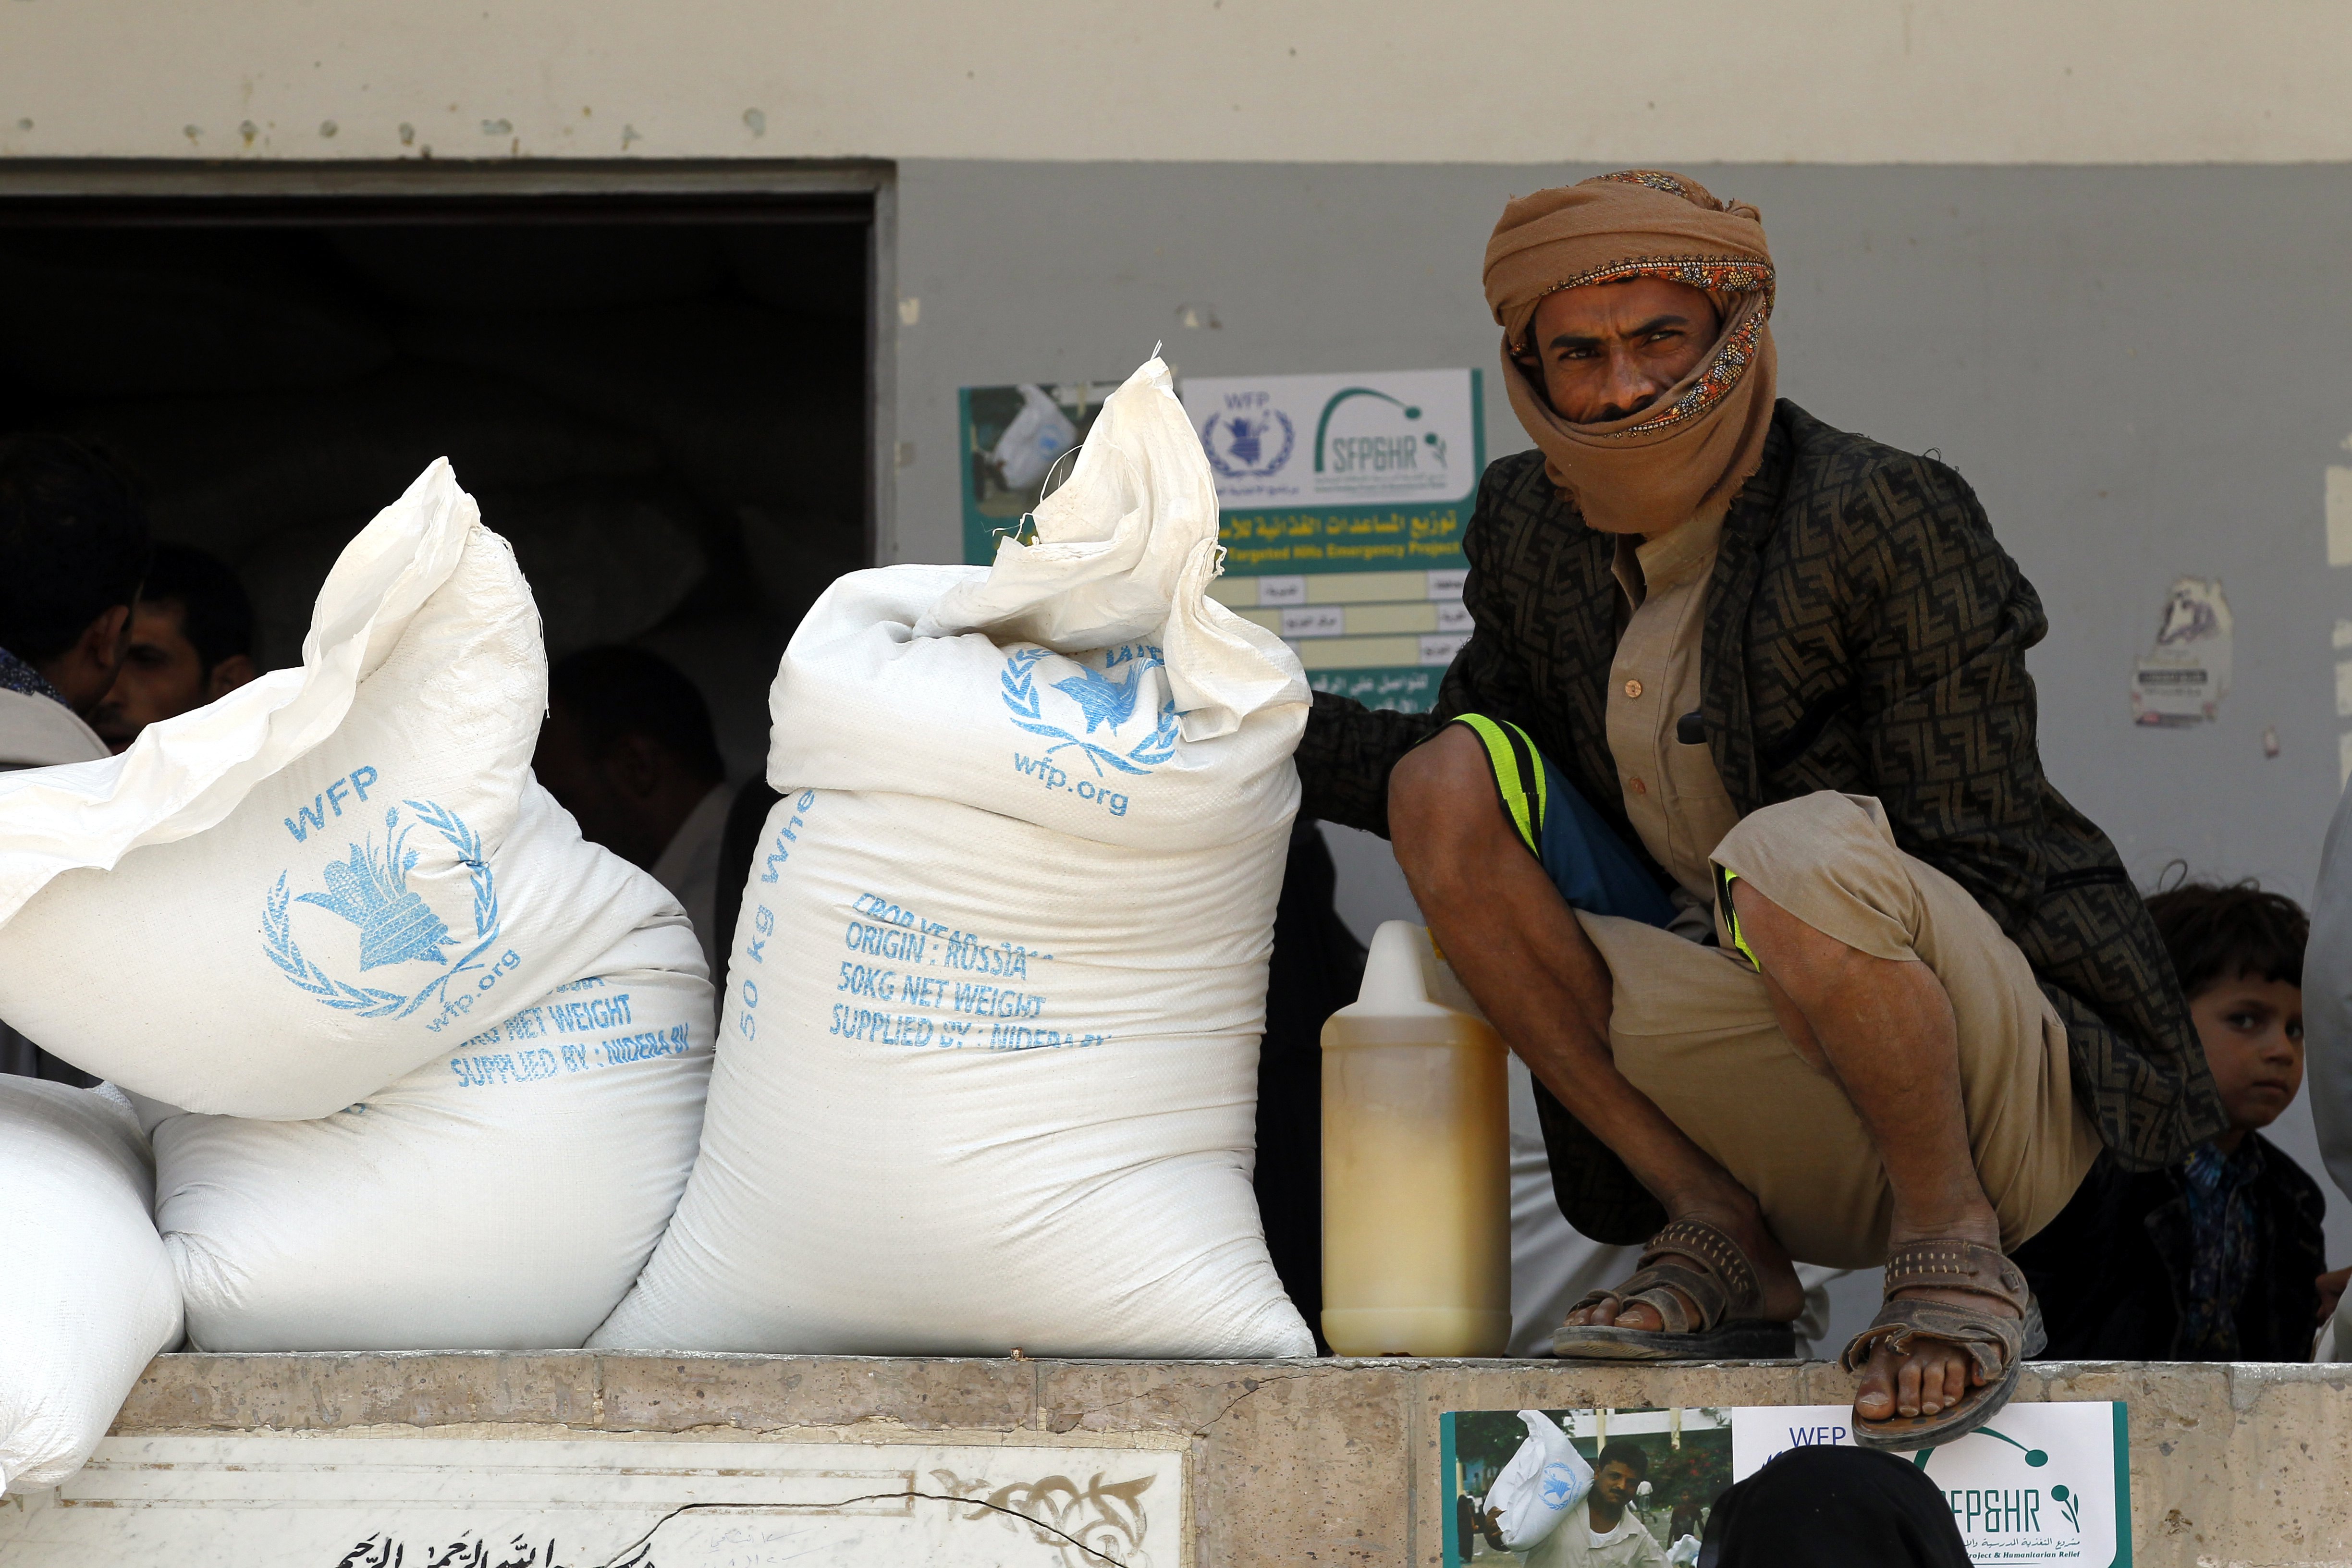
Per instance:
(2184,676)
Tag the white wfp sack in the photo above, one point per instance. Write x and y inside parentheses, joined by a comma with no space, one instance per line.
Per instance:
(277,903)
(987,1068)
(86,1292)
(502,1197)
(1536,1489)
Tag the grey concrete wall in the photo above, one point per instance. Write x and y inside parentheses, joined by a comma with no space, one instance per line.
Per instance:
(2142,371)
(1295,1462)
(1926,80)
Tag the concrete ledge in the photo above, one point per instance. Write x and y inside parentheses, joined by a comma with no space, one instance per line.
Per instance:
(1295,1462)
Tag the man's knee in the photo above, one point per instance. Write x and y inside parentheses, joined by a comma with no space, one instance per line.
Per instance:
(1830,861)
(1441,798)
(1823,820)
(1824,839)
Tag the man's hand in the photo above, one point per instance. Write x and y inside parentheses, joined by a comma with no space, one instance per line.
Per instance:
(2331,1291)
(1490,1525)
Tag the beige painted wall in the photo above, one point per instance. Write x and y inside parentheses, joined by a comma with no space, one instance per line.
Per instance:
(1281,80)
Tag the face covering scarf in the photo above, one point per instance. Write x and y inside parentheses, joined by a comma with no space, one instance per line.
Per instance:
(1694,447)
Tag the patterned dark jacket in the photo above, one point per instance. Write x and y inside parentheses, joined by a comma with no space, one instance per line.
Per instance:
(1864,633)
(2112,1271)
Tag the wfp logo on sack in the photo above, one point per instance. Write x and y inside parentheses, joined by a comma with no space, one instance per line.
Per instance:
(364,888)
(1093,716)
(1559,1485)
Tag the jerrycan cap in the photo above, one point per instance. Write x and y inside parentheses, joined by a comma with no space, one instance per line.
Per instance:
(1404,977)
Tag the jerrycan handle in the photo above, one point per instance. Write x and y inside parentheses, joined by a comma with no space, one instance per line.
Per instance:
(1404,978)
(1396,970)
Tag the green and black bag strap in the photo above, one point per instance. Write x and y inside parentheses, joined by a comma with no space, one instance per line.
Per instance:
(1518,776)
(1723,881)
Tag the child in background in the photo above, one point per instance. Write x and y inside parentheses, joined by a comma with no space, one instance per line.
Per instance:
(2220,1257)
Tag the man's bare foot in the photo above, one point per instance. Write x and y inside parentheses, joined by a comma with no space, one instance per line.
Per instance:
(1781,1297)
(1933,1375)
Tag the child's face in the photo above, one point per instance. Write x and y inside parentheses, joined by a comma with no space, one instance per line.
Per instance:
(2252,1031)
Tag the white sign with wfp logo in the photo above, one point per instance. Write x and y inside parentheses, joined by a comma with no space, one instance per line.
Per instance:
(2040,1484)
(1337,440)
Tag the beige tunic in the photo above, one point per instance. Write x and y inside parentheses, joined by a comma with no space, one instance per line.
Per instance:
(1672,792)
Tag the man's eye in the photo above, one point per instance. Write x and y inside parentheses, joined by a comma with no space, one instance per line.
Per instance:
(2248,1022)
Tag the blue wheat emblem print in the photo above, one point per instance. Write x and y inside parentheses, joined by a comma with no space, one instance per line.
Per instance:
(369,889)
(1101,704)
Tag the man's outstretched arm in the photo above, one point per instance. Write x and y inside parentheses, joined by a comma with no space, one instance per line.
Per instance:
(1348,750)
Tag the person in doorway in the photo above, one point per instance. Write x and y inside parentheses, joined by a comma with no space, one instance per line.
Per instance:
(1730,815)
(629,751)
(2218,1257)
(191,643)
(73,551)
(1604,1531)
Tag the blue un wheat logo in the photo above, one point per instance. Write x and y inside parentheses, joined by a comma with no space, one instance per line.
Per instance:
(369,888)
(1102,703)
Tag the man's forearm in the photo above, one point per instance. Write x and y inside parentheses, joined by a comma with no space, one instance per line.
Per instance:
(1345,756)
(1547,991)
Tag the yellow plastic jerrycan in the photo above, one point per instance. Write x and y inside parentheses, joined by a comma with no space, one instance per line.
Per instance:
(1416,1163)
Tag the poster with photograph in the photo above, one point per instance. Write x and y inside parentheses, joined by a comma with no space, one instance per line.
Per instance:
(2039,1484)
(2185,672)
(1014,438)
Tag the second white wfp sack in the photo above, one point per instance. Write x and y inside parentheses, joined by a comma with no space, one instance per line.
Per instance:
(987,1068)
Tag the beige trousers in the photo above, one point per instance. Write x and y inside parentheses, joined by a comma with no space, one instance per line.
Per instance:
(1692,1029)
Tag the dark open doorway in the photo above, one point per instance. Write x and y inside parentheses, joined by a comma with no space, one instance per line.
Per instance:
(662,399)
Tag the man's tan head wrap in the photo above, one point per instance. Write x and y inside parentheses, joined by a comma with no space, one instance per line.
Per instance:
(1697,443)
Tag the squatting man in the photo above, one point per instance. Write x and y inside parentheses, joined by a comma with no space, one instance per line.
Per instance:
(1730,815)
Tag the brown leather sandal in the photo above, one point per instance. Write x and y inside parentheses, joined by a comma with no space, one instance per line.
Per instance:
(1997,1345)
(1722,1284)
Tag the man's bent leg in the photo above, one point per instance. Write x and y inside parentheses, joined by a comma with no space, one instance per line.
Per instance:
(1885,1027)
(1857,942)
(1514,941)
